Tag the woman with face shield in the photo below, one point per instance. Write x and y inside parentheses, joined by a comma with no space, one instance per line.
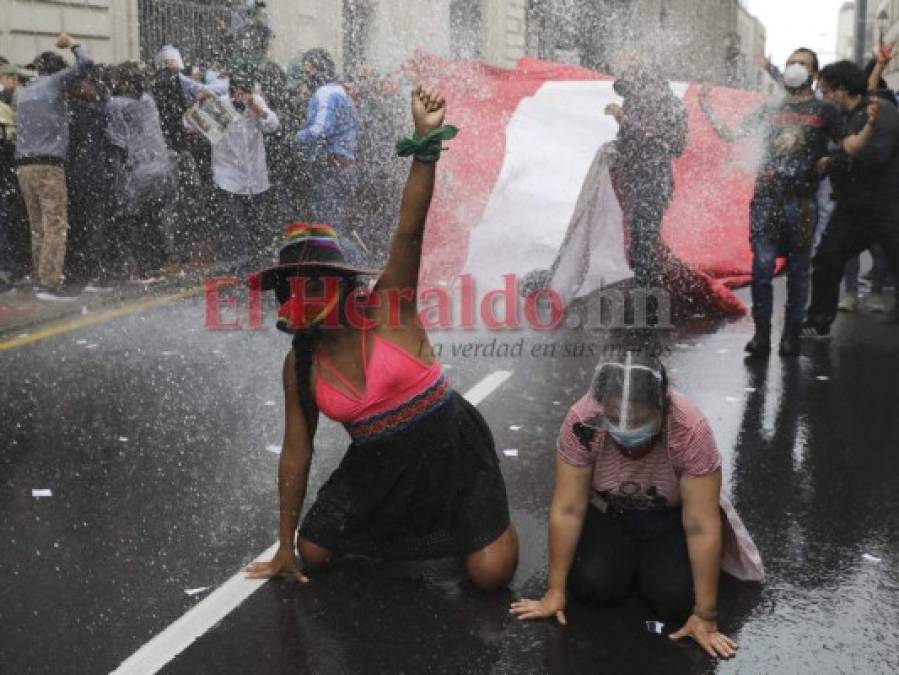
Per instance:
(421,478)
(638,507)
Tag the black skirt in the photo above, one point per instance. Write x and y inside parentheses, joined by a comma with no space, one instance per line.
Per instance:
(427,487)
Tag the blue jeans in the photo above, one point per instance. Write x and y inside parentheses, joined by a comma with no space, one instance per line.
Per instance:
(825,210)
(879,272)
(793,243)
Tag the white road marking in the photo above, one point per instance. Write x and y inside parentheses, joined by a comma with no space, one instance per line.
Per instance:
(487,386)
(179,635)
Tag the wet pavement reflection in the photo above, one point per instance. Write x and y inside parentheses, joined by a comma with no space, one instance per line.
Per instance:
(157,446)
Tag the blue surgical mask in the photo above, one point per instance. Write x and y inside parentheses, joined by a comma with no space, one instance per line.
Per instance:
(635,439)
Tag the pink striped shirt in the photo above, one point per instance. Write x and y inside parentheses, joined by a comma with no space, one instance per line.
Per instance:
(686,448)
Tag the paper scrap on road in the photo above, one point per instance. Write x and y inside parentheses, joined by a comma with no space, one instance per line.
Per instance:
(270,403)
(510,453)
(515,427)
(41,492)
(871,558)
(822,378)
(656,627)
(751,390)
(123,439)
(731,399)
(274,449)
(196,591)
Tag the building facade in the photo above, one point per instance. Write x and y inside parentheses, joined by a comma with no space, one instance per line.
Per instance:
(845,47)
(701,40)
(692,40)
(109,28)
(886,20)
(751,45)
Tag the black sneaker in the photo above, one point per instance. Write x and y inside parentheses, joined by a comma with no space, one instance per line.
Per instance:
(811,331)
(789,344)
(760,344)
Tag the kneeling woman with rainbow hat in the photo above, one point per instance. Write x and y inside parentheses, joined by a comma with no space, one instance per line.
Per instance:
(421,478)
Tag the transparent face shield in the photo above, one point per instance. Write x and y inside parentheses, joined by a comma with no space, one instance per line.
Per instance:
(631,396)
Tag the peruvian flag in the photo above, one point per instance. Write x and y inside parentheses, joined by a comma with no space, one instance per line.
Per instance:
(527,174)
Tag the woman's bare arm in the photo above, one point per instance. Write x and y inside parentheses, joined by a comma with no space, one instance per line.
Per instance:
(404,263)
(296,455)
(293,477)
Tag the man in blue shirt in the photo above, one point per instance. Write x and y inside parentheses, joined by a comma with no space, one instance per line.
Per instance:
(328,142)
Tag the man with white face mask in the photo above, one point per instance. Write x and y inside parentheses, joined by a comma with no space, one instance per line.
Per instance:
(783,212)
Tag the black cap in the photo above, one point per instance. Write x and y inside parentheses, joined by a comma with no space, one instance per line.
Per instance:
(47,63)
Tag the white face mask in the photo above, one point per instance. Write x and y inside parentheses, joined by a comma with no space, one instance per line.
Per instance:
(796,76)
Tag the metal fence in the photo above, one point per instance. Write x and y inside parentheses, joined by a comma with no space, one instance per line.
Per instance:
(199,29)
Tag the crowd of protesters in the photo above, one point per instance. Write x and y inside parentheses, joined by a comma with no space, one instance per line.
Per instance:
(827,190)
(104,178)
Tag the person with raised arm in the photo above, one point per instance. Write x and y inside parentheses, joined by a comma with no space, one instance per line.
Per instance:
(783,211)
(421,478)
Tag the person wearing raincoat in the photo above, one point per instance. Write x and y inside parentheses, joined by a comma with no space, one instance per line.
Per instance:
(146,172)
(638,506)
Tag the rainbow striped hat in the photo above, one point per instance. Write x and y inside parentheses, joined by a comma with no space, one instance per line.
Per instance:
(309,245)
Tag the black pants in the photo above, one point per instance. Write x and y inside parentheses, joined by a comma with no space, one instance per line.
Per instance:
(617,556)
(245,229)
(136,234)
(645,189)
(852,230)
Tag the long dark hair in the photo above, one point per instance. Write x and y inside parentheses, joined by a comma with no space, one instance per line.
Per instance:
(303,345)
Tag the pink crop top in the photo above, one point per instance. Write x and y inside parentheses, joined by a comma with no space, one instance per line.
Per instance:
(392,377)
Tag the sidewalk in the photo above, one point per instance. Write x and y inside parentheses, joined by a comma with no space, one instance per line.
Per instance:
(21,311)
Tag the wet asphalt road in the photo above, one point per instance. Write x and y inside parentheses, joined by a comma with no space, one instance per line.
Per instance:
(153,435)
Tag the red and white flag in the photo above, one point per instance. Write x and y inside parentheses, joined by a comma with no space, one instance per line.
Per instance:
(509,185)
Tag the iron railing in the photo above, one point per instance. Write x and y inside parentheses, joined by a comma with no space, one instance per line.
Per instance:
(198,28)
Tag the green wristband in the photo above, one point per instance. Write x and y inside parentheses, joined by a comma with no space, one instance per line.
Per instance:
(426,148)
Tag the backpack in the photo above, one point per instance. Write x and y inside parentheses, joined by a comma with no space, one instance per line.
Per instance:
(147,173)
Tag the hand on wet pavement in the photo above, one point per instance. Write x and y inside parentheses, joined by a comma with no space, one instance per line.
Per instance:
(552,604)
(706,635)
(284,564)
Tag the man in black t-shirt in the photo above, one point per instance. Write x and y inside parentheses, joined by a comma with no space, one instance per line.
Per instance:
(783,211)
(866,192)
